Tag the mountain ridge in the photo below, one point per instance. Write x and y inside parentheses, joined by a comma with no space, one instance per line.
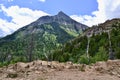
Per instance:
(61,18)
(103,27)
(98,43)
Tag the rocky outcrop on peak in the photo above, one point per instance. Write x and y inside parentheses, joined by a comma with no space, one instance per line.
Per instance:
(60,18)
(103,27)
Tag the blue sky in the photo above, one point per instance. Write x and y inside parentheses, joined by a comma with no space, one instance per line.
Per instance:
(70,7)
(15,14)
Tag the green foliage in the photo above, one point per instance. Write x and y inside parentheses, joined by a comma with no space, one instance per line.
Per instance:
(70,30)
(101,55)
(115,39)
(47,44)
(48,27)
(75,50)
(83,59)
(96,42)
(32,43)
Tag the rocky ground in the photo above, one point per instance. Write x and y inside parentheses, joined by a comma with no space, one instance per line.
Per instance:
(43,70)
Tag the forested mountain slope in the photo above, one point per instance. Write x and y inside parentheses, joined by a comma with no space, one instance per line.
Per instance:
(98,43)
(38,39)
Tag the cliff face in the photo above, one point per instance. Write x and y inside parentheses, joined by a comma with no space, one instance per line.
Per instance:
(103,27)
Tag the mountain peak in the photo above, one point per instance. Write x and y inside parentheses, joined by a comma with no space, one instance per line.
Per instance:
(60,18)
(62,14)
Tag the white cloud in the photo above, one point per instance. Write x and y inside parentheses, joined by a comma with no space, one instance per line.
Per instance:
(10,0)
(107,9)
(42,0)
(20,17)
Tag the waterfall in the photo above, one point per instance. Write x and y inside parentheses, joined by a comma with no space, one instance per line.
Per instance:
(87,51)
(88,45)
(45,52)
(111,53)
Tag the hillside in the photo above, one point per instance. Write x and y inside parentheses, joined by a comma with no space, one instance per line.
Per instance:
(38,39)
(43,70)
(98,43)
(103,27)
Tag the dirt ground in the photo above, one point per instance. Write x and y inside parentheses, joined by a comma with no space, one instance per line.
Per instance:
(42,70)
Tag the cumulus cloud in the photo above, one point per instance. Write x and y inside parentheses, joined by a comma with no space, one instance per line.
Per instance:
(107,9)
(42,0)
(19,18)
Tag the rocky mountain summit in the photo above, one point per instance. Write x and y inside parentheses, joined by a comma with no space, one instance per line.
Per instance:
(60,18)
(43,70)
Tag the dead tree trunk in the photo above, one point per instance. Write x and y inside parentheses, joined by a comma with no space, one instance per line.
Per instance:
(30,48)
